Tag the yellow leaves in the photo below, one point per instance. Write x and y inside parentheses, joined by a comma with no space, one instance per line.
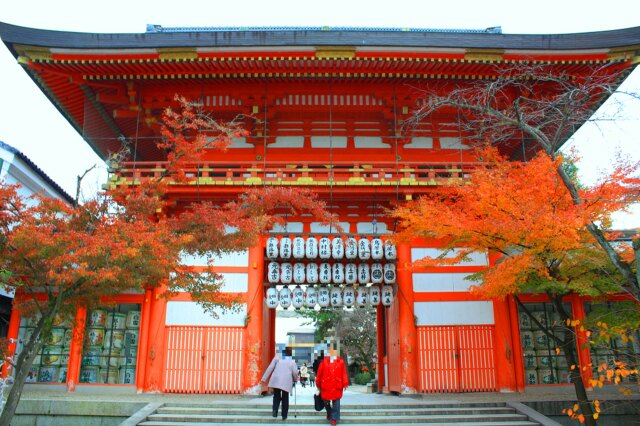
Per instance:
(557,351)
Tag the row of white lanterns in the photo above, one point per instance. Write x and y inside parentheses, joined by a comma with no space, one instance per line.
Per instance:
(326,273)
(325,248)
(325,296)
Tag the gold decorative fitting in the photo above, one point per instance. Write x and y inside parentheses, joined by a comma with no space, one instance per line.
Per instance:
(335,52)
(177,53)
(484,55)
(625,53)
(35,53)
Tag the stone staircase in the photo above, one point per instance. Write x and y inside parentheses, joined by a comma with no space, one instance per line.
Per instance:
(238,414)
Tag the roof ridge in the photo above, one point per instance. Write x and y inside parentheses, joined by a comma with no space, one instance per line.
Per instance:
(153,28)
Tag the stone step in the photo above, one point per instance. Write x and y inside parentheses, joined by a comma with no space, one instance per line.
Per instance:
(345,419)
(306,404)
(295,422)
(379,412)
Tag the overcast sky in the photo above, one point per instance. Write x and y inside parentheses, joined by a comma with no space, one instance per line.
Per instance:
(30,123)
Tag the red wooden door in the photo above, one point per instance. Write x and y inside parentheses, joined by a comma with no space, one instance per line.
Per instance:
(456,358)
(203,359)
(394,367)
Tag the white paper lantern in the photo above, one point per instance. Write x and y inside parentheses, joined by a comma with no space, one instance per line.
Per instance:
(363,273)
(285,247)
(285,297)
(374,295)
(324,248)
(298,248)
(362,296)
(297,297)
(336,296)
(387,295)
(389,273)
(324,297)
(348,296)
(286,273)
(389,250)
(376,273)
(272,248)
(311,297)
(298,273)
(325,273)
(337,248)
(273,272)
(311,248)
(337,272)
(351,248)
(272,298)
(377,249)
(351,273)
(364,249)
(312,273)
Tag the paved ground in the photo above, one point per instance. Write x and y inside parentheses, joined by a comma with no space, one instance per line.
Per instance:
(354,395)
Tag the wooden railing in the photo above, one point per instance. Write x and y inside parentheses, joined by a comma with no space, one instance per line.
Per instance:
(305,174)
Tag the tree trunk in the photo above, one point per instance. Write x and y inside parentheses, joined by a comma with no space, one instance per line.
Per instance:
(569,347)
(23,365)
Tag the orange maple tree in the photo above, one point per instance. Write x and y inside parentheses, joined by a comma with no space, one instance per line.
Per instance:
(57,257)
(525,213)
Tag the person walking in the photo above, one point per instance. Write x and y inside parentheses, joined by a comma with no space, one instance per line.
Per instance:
(332,380)
(282,375)
(304,374)
(317,361)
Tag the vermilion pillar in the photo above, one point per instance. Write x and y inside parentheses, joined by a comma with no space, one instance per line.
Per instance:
(155,347)
(12,335)
(504,347)
(145,315)
(75,351)
(253,328)
(381,326)
(518,355)
(406,321)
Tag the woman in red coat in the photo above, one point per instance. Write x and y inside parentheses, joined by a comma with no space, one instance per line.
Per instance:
(332,380)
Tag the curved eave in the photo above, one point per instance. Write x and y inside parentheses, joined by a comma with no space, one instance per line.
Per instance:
(63,39)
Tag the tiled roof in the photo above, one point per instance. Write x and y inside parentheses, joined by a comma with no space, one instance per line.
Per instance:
(39,171)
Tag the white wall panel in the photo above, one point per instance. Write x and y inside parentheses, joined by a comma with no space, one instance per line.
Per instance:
(475,259)
(319,228)
(240,258)
(235,282)
(190,313)
(454,313)
(367,228)
(289,227)
(436,282)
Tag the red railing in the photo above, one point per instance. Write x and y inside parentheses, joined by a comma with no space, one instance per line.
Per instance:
(456,358)
(203,359)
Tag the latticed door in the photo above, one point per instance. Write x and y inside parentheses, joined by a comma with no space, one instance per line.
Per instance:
(456,358)
(203,359)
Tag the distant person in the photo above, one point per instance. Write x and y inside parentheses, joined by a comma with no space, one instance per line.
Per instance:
(317,361)
(332,380)
(312,378)
(304,374)
(284,373)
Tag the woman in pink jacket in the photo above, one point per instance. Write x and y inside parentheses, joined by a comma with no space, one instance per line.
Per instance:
(284,373)
(332,380)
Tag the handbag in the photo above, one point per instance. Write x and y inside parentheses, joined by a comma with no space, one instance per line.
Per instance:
(318,402)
